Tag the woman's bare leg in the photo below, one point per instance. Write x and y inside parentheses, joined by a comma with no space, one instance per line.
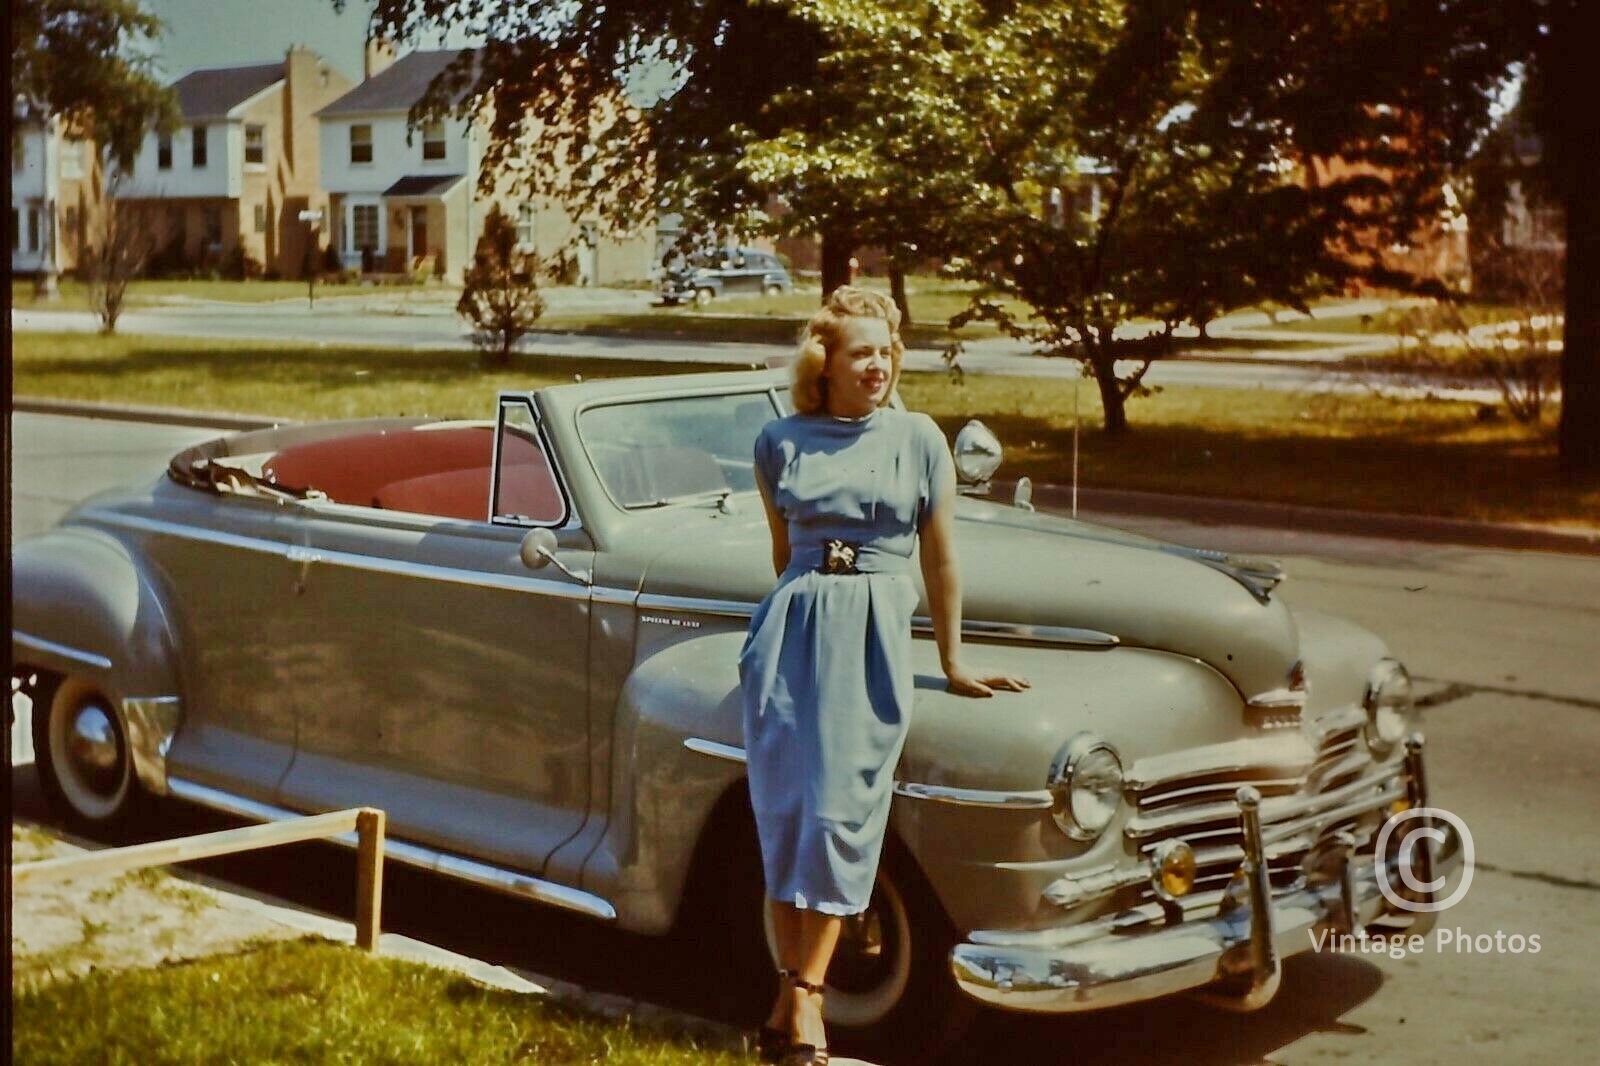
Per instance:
(819,936)
(786,929)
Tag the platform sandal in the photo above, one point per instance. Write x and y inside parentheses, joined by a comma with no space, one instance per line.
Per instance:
(805,1054)
(772,1044)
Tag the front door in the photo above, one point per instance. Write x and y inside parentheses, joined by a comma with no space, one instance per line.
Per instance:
(455,679)
(419,235)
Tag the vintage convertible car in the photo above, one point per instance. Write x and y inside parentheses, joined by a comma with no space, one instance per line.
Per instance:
(519,637)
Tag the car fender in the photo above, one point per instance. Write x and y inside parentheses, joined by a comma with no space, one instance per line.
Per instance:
(681,698)
(82,606)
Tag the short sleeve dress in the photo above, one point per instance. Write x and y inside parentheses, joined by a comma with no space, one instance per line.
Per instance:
(825,669)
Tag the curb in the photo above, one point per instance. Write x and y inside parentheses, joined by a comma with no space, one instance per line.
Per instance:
(1204,510)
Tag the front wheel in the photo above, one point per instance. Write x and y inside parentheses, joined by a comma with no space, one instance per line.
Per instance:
(774,290)
(702,297)
(81,747)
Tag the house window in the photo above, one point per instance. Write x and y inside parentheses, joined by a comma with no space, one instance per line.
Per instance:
(197,147)
(433,140)
(363,226)
(360,143)
(163,151)
(33,229)
(525,226)
(19,158)
(211,225)
(261,218)
(71,160)
(255,143)
(16,230)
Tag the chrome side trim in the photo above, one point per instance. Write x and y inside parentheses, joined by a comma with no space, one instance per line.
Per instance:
(958,797)
(1038,800)
(151,722)
(715,749)
(601,594)
(50,647)
(1015,632)
(654,601)
(501,880)
(1022,633)
(305,555)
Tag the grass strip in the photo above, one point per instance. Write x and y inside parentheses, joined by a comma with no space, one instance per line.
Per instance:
(317,1002)
(1350,450)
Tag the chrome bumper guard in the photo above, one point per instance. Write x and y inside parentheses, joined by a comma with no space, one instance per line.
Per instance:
(1235,957)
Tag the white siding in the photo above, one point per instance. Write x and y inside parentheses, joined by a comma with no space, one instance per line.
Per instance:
(219,177)
(392,157)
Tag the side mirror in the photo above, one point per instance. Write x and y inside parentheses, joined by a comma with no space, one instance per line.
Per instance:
(539,548)
(977,456)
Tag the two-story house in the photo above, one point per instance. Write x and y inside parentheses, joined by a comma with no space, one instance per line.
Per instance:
(229,184)
(404,196)
(56,192)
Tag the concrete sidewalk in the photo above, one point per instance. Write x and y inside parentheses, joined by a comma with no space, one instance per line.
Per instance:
(1099,504)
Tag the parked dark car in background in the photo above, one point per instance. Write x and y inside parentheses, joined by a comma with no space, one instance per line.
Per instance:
(733,271)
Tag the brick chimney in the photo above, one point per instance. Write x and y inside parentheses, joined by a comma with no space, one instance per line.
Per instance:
(379,56)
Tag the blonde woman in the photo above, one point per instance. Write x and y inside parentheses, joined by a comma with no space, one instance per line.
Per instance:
(850,485)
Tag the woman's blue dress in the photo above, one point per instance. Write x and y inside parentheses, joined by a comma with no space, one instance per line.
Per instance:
(825,669)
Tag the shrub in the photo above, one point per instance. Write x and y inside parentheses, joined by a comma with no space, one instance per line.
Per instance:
(500,297)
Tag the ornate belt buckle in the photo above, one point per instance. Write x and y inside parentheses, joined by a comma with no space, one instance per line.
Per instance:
(839,556)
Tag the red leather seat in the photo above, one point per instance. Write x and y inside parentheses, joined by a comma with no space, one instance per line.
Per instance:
(353,469)
(442,472)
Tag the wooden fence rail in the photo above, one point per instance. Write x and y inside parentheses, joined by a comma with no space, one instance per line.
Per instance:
(366,822)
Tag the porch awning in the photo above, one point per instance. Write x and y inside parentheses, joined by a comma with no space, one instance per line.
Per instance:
(424,185)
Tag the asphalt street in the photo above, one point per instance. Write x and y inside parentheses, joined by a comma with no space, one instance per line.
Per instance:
(1504,646)
(427,325)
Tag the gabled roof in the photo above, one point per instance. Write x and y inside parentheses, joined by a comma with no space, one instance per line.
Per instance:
(213,93)
(398,88)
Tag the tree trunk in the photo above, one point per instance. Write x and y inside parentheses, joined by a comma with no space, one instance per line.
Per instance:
(897,289)
(836,249)
(1104,366)
(1580,359)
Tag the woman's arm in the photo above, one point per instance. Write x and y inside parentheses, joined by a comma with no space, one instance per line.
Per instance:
(777,524)
(941,576)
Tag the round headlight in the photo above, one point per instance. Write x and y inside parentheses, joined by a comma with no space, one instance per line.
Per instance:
(1388,705)
(1086,782)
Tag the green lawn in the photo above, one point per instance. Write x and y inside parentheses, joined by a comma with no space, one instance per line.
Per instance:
(1333,450)
(316,1002)
(75,294)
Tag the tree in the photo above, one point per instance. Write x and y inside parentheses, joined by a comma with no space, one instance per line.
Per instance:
(500,295)
(737,70)
(90,63)
(117,252)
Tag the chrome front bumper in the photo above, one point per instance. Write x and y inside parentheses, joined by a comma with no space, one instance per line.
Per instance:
(1236,956)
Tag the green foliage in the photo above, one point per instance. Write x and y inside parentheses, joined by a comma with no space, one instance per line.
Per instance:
(90,62)
(500,294)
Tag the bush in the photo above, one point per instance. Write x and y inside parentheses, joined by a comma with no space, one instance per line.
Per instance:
(501,294)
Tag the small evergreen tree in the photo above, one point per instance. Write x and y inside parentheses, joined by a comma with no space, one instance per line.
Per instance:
(501,295)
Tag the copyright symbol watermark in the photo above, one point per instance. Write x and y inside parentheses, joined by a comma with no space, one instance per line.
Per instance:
(1431,819)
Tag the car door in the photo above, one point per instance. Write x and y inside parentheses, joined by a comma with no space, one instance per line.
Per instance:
(455,678)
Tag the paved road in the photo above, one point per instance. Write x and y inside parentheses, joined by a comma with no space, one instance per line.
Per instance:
(1505,645)
(426,326)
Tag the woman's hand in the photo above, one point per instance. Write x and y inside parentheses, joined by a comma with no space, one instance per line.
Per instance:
(964,682)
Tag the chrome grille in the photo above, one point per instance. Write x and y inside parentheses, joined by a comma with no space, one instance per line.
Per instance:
(1312,783)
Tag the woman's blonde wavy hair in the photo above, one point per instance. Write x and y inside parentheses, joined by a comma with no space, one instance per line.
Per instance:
(809,389)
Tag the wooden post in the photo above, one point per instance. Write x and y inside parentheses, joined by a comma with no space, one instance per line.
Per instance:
(369,878)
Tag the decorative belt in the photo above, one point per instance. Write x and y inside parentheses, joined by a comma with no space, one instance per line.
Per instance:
(839,556)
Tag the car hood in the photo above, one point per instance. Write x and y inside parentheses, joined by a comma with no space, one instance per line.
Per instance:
(1024,567)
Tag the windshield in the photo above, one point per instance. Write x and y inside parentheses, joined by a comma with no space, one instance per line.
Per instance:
(650,453)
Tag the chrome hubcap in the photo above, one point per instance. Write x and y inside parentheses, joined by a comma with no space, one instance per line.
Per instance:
(95,749)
